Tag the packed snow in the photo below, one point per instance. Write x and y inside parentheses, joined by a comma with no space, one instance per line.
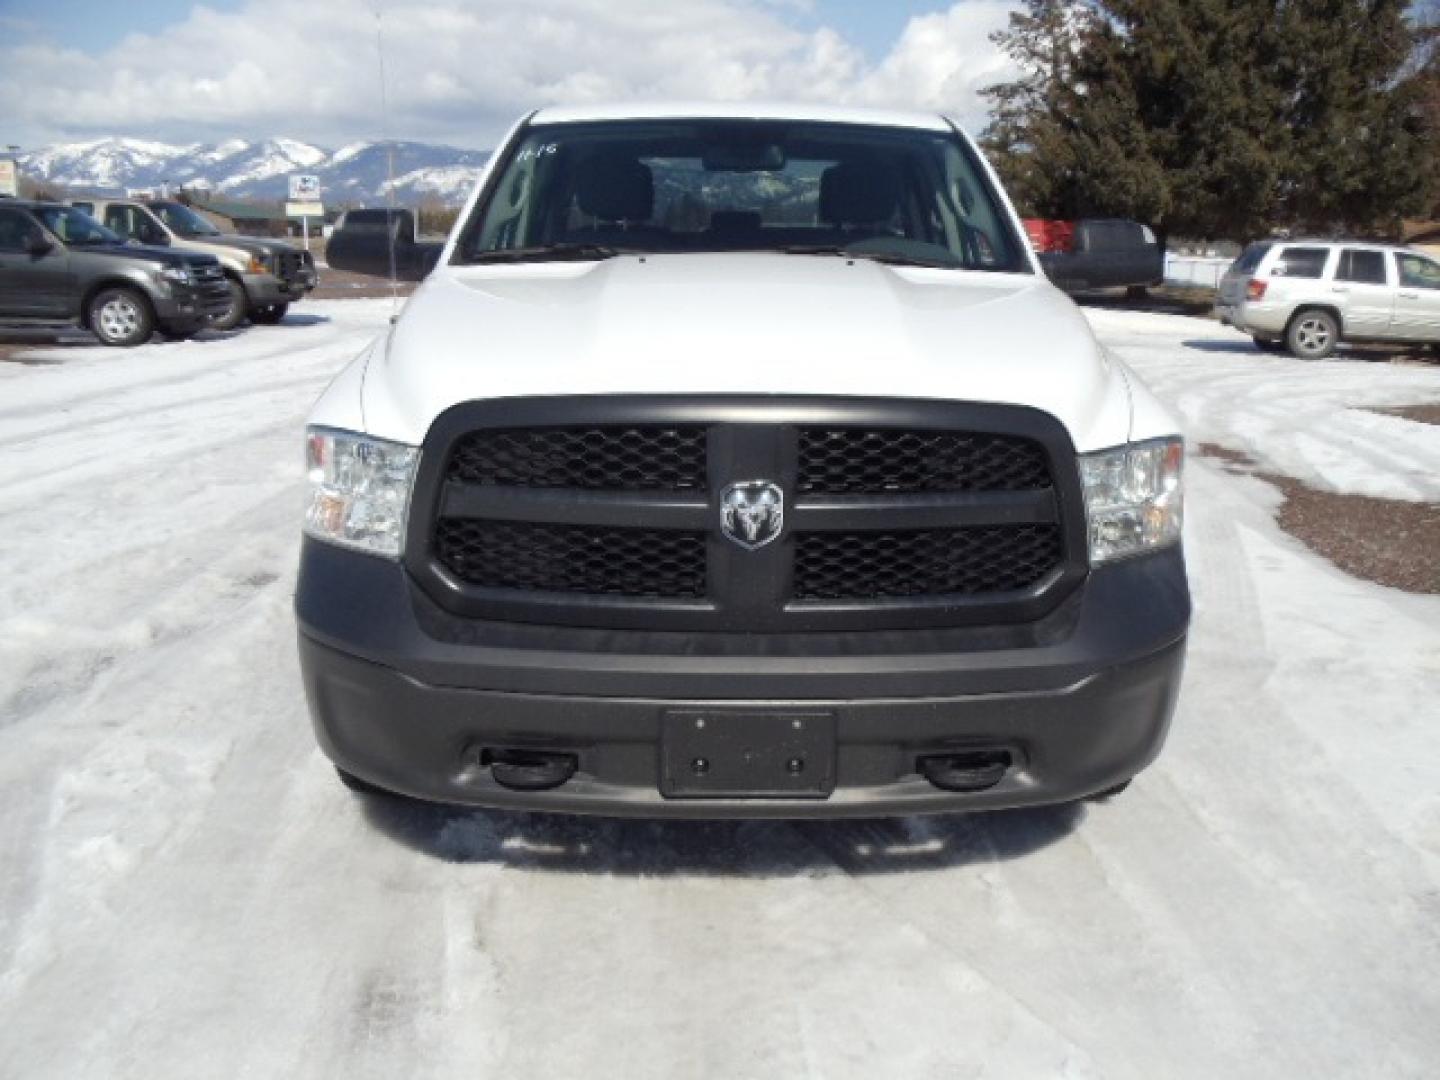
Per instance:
(1314,421)
(188,891)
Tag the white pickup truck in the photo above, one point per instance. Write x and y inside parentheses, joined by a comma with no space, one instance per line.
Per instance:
(741,461)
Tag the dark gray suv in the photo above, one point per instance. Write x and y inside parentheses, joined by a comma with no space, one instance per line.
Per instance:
(59,267)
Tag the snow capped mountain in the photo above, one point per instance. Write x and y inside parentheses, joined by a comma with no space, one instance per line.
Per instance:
(107,162)
(355,173)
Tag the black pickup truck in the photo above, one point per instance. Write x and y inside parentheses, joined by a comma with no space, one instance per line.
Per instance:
(1098,253)
(365,242)
(61,268)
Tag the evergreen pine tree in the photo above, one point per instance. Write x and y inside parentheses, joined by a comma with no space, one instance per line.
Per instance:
(1217,118)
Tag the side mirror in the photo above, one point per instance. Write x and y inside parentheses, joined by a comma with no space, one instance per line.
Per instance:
(157,238)
(37,244)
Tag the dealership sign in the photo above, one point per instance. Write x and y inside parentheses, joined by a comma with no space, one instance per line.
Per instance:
(304,189)
(9,185)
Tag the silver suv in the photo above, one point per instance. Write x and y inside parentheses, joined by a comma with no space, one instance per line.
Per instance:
(1309,295)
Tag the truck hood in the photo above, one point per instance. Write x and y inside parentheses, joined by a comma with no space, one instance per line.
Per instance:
(140,253)
(251,245)
(741,323)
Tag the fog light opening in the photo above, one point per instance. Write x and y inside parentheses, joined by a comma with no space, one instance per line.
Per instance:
(528,770)
(966,770)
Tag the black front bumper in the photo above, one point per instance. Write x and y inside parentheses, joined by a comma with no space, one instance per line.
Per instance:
(262,290)
(192,305)
(413,699)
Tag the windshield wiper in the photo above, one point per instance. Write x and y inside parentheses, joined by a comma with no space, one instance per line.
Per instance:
(550,253)
(889,258)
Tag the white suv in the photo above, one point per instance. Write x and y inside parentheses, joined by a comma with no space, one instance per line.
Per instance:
(1309,295)
(741,461)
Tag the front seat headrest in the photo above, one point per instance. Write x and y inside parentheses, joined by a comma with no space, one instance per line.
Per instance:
(615,188)
(858,193)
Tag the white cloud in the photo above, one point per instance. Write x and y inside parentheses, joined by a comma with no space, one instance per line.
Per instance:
(459,71)
(944,60)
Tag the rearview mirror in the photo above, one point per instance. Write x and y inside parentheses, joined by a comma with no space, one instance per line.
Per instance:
(744,157)
(37,243)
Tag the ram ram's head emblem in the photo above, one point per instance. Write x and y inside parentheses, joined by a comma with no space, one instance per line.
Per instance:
(752,512)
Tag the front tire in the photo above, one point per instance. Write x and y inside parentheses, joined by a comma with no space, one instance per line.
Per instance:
(121,317)
(235,312)
(268,314)
(1312,335)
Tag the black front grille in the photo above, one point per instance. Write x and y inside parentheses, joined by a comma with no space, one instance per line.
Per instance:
(291,265)
(837,461)
(897,515)
(573,559)
(931,562)
(210,289)
(587,458)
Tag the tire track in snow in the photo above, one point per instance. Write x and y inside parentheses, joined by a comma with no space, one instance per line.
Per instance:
(149,368)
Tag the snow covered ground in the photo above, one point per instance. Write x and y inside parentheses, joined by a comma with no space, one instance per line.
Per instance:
(187,891)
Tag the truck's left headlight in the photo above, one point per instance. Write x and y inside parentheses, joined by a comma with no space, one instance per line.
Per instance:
(1133,498)
(359,490)
(178,274)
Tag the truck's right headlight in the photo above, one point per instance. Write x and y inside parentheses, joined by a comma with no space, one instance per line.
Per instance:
(1133,498)
(359,490)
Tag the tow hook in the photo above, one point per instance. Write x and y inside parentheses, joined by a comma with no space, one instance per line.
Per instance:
(970,770)
(529,770)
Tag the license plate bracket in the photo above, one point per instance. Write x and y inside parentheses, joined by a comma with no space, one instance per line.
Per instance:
(744,754)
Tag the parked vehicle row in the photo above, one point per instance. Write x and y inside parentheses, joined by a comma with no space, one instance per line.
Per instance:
(263,276)
(61,268)
(1308,296)
(163,269)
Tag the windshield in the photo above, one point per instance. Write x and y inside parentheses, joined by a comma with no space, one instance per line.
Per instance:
(182,220)
(895,194)
(75,226)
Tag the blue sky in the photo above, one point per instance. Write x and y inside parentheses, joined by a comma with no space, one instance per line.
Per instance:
(459,70)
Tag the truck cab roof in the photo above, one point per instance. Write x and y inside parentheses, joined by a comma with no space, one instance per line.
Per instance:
(695,110)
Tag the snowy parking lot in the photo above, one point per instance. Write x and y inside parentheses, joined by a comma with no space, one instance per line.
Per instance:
(188,891)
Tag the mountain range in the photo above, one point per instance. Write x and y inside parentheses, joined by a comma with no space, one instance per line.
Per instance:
(259,170)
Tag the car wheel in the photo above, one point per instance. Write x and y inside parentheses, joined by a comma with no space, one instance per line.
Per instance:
(1137,292)
(1270,345)
(268,314)
(235,312)
(1312,335)
(121,317)
(354,783)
